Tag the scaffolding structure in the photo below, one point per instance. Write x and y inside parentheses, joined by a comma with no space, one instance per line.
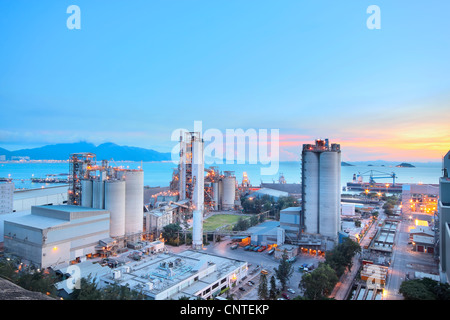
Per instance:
(81,166)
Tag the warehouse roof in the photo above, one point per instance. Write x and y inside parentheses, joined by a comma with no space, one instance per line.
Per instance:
(42,192)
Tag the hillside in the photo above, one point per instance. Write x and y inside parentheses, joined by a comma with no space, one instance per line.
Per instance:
(105,151)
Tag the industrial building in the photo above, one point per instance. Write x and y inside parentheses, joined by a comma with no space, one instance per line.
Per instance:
(321,189)
(419,199)
(444,220)
(272,193)
(52,235)
(191,273)
(25,199)
(6,197)
(290,222)
(118,190)
(157,219)
(267,233)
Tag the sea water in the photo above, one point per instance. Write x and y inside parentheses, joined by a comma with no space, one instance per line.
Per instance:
(160,173)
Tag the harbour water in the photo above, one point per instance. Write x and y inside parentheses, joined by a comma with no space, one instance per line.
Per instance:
(160,173)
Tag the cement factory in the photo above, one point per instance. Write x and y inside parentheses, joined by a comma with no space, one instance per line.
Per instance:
(105,223)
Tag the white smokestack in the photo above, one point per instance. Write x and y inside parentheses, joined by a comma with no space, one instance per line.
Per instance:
(198,189)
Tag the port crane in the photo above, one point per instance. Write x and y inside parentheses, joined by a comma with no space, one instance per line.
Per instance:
(378,175)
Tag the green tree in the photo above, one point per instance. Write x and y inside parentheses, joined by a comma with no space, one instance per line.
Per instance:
(241,225)
(284,271)
(273,288)
(170,233)
(87,291)
(318,284)
(340,258)
(263,288)
(425,289)
(254,220)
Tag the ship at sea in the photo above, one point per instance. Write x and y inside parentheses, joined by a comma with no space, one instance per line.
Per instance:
(358,184)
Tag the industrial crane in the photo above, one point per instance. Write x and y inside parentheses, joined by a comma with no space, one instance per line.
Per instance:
(379,175)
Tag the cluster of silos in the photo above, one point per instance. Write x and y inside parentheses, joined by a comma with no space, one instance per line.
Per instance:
(224,192)
(122,195)
(321,195)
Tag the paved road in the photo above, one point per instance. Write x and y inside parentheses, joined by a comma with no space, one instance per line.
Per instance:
(261,259)
(404,260)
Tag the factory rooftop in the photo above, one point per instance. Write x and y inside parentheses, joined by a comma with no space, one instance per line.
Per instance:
(170,276)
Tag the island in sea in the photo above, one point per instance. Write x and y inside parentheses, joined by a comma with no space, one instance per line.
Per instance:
(405,165)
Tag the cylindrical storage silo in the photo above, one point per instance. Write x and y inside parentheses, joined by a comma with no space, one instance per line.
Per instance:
(115,204)
(215,187)
(134,200)
(329,206)
(228,192)
(310,196)
(86,193)
(98,194)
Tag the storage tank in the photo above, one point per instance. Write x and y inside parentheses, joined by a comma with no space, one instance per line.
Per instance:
(310,190)
(215,187)
(98,194)
(329,205)
(86,193)
(115,204)
(228,192)
(134,200)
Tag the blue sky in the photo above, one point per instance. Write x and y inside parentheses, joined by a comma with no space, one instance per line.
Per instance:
(137,70)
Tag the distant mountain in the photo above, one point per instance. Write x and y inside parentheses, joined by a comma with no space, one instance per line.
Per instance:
(105,151)
(346,164)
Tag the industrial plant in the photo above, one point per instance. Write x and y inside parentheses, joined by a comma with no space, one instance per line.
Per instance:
(107,223)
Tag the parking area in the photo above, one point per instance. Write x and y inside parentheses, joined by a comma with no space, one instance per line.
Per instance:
(258,261)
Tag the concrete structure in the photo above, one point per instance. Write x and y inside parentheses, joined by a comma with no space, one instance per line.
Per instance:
(115,204)
(444,220)
(134,200)
(275,194)
(348,209)
(267,233)
(290,250)
(191,273)
(6,197)
(25,199)
(198,185)
(419,199)
(290,222)
(158,218)
(321,191)
(51,235)
(120,191)
(228,191)
(293,189)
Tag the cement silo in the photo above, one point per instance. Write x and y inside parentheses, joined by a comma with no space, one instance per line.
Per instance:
(310,191)
(134,200)
(215,188)
(86,193)
(115,204)
(329,205)
(98,194)
(321,194)
(228,191)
